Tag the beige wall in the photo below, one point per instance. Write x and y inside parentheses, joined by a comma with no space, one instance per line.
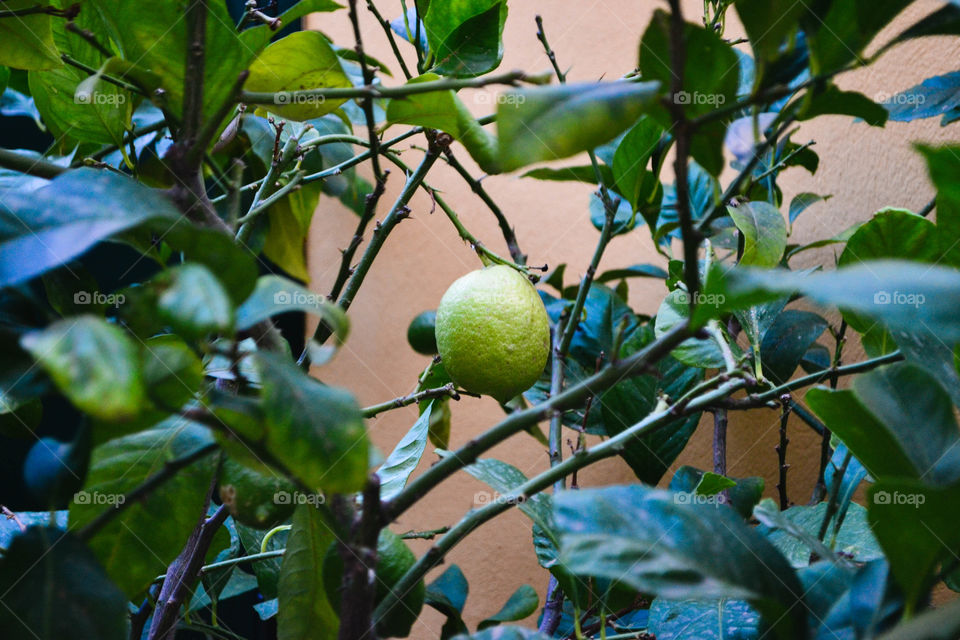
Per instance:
(864,168)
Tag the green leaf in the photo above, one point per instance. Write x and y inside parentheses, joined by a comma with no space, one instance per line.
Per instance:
(403,460)
(172,373)
(916,526)
(157,42)
(54,588)
(744,495)
(259,36)
(275,295)
(764,233)
(465,36)
(795,533)
(288,225)
(721,619)
(649,540)
(902,295)
(935,96)
(838,32)
(316,431)
(300,60)
(630,161)
(711,484)
(787,340)
(624,219)
(768,24)
(443,110)
(521,604)
(138,544)
(305,613)
(878,423)
(448,594)
(53,225)
(534,125)
(833,101)
(267,571)
(581,173)
(635,271)
(634,398)
(696,352)
(193,301)
(93,363)
(892,233)
(801,202)
(27,41)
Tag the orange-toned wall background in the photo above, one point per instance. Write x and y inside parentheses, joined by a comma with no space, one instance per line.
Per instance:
(862,167)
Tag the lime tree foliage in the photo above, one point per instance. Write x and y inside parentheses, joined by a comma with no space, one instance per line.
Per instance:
(213,463)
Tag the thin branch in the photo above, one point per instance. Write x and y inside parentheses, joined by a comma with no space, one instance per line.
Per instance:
(520,420)
(30,166)
(511,78)
(446,391)
(388,31)
(69,13)
(367,75)
(473,519)
(424,535)
(781,449)
(123,84)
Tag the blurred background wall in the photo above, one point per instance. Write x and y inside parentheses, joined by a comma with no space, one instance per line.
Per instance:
(862,167)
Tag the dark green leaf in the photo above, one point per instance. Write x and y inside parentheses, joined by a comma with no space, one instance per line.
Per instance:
(649,540)
(267,571)
(696,352)
(801,202)
(934,96)
(54,588)
(623,220)
(768,25)
(172,373)
(464,38)
(95,364)
(721,619)
(581,173)
(744,495)
(447,594)
(55,224)
(838,32)
(27,40)
(787,340)
(833,101)
(521,604)
(635,271)
(289,222)
(193,301)
(548,123)
(275,295)
(316,431)
(138,544)
(630,161)
(304,612)
(892,233)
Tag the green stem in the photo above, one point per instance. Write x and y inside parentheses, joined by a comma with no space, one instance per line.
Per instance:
(30,166)
(446,391)
(377,91)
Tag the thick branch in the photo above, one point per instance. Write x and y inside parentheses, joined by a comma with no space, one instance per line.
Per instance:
(30,166)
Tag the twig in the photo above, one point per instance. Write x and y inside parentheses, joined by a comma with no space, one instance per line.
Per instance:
(182,573)
(820,488)
(10,515)
(834,495)
(511,78)
(446,391)
(424,535)
(781,449)
(388,31)
(520,420)
(30,166)
(720,447)
(367,75)
(103,76)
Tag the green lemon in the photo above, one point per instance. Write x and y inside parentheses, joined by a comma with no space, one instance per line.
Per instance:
(394,559)
(421,334)
(493,332)
(257,500)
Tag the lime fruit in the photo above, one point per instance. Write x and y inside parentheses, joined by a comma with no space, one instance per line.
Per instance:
(493,332)
(421,334)
(257,500)
(394,559)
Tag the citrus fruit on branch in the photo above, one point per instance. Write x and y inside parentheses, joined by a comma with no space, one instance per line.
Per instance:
(493,332)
